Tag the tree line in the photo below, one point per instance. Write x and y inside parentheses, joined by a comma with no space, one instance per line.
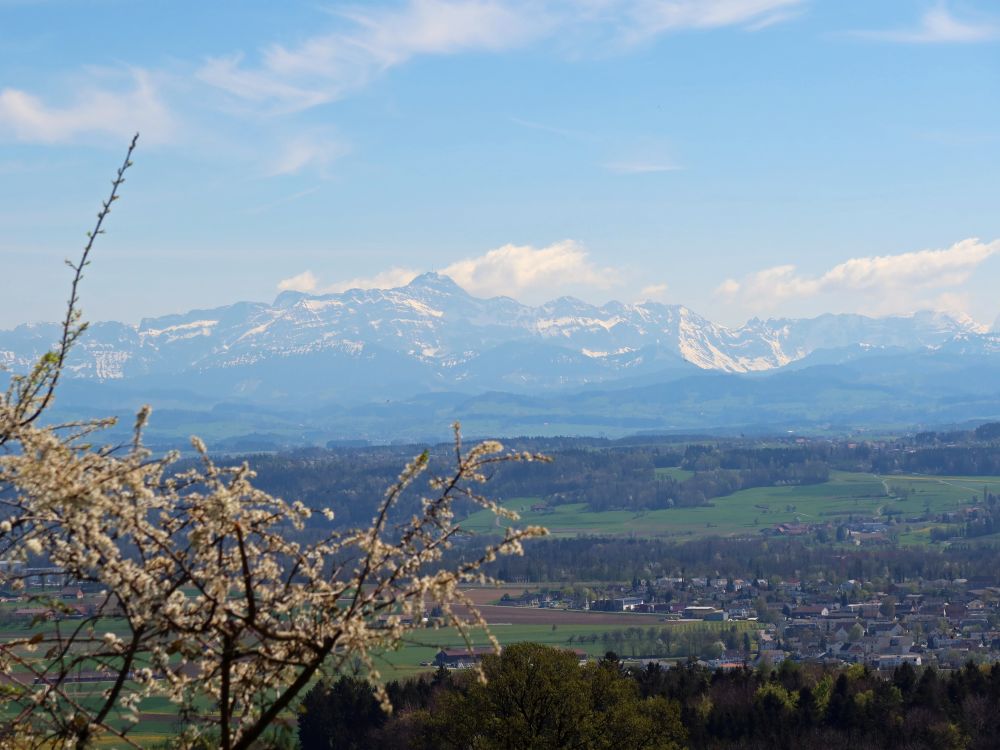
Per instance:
(601,477)
(609,558)
(538,697)
(616,475)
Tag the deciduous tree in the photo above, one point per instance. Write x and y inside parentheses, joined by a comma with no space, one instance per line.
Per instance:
(217,606)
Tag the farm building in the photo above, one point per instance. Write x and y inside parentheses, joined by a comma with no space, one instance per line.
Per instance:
(628,603)
(695,612)
(460,657)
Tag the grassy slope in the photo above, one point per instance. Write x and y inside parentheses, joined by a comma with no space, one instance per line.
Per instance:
(749,511)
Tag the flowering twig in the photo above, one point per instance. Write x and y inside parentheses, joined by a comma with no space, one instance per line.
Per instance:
(209,593)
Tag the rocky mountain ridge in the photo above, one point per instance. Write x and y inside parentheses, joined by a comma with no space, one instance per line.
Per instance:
(433,334)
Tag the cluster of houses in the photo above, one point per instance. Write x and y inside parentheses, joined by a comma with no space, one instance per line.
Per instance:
(49,594)
(879,531)
(32,577)
(859,533)
(941,622)
(945,625)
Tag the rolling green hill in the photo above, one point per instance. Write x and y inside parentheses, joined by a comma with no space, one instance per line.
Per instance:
(846,495)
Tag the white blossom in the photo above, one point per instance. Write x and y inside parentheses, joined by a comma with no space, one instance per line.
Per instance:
(214,600)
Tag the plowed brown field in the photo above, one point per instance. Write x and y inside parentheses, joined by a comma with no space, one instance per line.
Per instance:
(495,614)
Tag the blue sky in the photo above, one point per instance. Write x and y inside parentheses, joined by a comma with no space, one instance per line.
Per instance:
(742,157)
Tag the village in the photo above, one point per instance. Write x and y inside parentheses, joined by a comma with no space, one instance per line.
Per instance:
(941,623)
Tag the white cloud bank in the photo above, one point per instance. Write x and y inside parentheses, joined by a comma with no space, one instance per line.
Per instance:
(519,271)
(522,270)
(653,293)
(309,283)
(884,283)
(874,285)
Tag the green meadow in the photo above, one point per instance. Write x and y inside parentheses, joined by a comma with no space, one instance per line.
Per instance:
(846,495)
(406,661)
(159,720)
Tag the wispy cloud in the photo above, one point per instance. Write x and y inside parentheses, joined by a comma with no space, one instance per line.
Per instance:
(939,26)
(94,110)
(652,18)
(350,48)
(307,152)
(776,17)
(366,43)
(263,86)
(885,282)
(325,67)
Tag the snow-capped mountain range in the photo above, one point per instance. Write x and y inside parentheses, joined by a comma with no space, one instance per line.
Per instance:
(434,334)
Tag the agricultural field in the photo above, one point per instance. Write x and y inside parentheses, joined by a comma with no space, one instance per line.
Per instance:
(846,495)
(553,627)
(592,632)
(406,661)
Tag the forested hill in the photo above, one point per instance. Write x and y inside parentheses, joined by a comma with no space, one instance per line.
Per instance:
(634,474)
